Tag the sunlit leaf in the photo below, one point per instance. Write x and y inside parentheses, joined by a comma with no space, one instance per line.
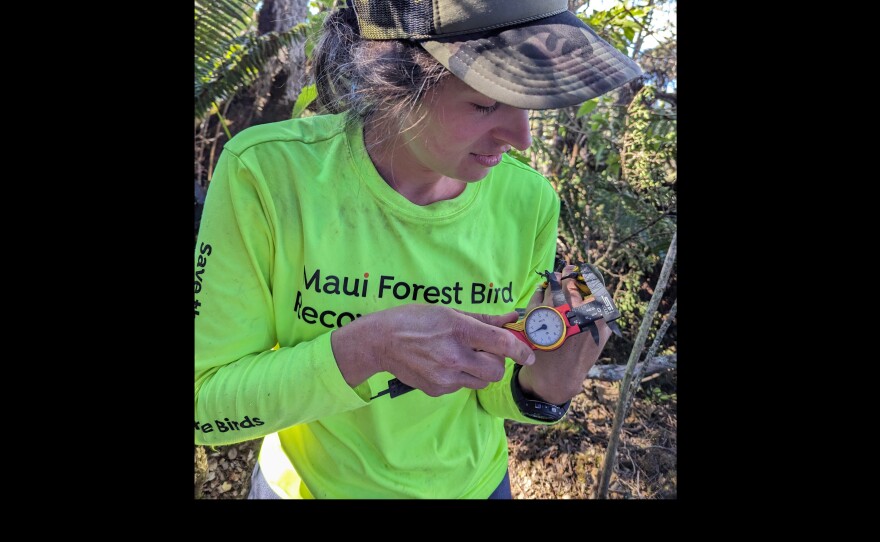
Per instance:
(587,106)
(306,96)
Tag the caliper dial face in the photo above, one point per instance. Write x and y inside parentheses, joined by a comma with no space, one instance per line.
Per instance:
(545,328)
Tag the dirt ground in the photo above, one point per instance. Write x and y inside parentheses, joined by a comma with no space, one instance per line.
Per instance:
(562,461)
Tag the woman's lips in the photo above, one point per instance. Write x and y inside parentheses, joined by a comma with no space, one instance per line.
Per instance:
(487,160)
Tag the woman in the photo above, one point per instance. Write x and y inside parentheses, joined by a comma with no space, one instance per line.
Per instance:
(388,242)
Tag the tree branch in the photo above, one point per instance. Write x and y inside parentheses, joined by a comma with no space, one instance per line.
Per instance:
(666,97)
(656,220)
(620,413)
(613,373)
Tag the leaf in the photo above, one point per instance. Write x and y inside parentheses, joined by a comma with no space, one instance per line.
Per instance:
(587,106)
(613,158)
(614,170)
(306,96)
(629,33)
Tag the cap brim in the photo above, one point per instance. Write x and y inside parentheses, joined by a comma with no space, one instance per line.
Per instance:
(553,62)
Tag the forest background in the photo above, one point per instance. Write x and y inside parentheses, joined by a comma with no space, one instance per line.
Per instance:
(612,160)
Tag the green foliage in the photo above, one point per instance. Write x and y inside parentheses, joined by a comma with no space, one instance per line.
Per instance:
(219,27)
(229,55)
(618,25)
(241,66)
(307,95)
(650,150)
(656,395)
(217,24)
(587,106)
(612,161)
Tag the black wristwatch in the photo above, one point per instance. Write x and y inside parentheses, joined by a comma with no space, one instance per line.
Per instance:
(534,408)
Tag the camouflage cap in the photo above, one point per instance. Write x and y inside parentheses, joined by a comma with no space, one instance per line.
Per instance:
(532,54)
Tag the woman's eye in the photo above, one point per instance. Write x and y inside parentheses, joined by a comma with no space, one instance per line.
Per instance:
(486,108)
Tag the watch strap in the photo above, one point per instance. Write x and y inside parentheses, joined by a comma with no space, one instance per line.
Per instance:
(535,408)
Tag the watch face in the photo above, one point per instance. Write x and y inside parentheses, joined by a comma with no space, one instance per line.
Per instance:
(545,328)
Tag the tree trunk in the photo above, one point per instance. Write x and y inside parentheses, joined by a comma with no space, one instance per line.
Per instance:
(286,75)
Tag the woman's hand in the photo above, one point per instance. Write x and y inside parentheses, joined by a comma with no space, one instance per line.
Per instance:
(558,375)
(438,350)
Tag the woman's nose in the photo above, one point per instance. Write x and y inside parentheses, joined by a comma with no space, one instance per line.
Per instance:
(514,127)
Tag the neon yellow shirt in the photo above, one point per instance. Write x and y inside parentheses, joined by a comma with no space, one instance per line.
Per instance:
(300,235)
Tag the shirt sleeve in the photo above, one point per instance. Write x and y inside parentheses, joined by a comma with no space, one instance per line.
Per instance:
(245,386)
(497,398)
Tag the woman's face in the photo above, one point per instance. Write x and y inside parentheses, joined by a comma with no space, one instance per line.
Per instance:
(462,135)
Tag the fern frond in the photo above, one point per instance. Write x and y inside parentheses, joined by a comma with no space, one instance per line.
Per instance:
(245,58)
(219,25)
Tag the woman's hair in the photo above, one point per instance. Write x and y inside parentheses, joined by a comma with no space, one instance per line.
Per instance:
(382,79)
